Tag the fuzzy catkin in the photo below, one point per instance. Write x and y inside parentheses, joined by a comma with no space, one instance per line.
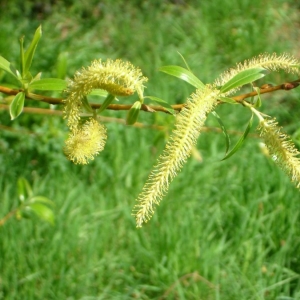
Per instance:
(271,62)
(118,78)
(281,149)
(187,129)
(86,142)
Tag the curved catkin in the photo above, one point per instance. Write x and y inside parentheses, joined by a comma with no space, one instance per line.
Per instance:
(281,149)
(85,142)
(187,129)
(272,62)
(118,78)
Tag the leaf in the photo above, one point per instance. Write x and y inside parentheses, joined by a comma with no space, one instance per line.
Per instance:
(133,113)
(24,189)
(22,56)
(244,77)
(86,105)
(29,53)
(61,65)
(41,199)
(8,67)
(48,84)
(227,138)
(257,103)
(228,100)
(183,74)
(186,64)
(162,103)
(109,99)
(43,212)
(16,106)
(241,140)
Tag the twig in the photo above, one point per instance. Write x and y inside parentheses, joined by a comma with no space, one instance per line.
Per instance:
(8,216)
(150,108)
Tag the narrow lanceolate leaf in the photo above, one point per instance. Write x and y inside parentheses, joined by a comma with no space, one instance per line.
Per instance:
(16,106)
(41,199)
(244,77)
(22,56)
(240,142)
(162,103)
(183,74)
(109,99)
(133,113)
(29,53)
(48,84)
(258,100)
(86,105)
(6,66)
(43,212)
(186,64)
(227,138)
(24,189)
(228,100)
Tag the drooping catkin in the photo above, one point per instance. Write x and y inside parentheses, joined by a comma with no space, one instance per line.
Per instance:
(85,142)
(188,126)
(118,78)
(281,149)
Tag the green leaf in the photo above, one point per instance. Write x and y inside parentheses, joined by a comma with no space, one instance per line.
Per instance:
(162,103)
(133,113)
(109,99)
(8,67)
(244,77)
(24,189)
(43,212)
(240,141)
(227,138)
(29,53)
(61,65)
(228,100)
(183,74)
(186,64)
(37,77)
(257,103)
(22,56)
(86,105)
(16,106)
(48,84)
(41,199)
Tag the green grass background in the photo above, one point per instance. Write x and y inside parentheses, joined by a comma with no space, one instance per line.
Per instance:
(226,230)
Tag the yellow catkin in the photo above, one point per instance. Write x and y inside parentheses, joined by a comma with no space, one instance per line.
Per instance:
(115,76)
(187,129)
(85,142)
(272,62)
(281,149)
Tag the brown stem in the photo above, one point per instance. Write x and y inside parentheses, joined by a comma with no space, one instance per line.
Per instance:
(150,108)
(8,216)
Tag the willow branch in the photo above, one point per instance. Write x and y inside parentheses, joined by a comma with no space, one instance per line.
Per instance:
(8,216)
(151,108)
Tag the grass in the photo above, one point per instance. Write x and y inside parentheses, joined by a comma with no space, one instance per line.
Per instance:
(226,230)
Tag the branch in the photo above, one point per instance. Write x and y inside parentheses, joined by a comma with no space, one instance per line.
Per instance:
(151,108)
